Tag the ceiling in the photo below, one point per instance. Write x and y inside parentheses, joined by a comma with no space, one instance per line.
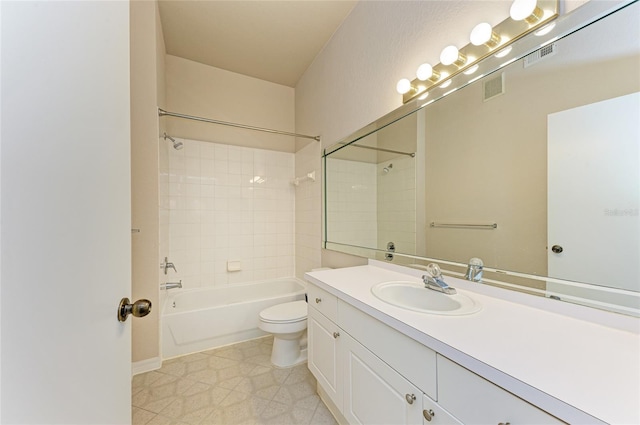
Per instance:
(271,40)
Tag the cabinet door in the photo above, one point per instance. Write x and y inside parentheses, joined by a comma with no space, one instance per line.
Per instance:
(375,393)
(323,358)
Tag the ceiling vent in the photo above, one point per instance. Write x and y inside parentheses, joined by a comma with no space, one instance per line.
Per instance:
(542,53)
(493,87)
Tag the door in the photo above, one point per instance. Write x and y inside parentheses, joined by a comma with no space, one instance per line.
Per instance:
(324,354)
(65,212)
(374,393)
(607,197)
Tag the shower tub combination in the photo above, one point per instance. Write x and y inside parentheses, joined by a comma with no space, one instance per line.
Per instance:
(205,318)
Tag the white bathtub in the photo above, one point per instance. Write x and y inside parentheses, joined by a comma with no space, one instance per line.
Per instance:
(205,318)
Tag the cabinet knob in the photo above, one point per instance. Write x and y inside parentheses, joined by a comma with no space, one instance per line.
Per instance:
(318,300)
(428,414)
(410,398)
(336,334)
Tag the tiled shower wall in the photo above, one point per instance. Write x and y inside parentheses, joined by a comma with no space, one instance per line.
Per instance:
(351,202)
(228,204)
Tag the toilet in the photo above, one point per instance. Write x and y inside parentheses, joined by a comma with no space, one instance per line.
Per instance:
(288,324)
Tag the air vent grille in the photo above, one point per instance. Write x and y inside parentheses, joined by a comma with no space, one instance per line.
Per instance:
(493,87)
(542,53)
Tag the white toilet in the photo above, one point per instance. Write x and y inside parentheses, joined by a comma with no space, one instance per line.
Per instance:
(288,324)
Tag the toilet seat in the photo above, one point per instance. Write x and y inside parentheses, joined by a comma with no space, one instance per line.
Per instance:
(290,312)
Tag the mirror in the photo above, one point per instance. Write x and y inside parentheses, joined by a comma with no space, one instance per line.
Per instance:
(534,167)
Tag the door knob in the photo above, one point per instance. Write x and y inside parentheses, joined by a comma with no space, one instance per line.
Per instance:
(557,249)
(139,308)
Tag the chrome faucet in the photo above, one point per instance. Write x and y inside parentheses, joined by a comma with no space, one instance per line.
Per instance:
(171,285)
(167,265)
(474,270)
(433,280)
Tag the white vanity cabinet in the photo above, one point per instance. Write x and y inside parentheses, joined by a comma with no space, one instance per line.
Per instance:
(377,375)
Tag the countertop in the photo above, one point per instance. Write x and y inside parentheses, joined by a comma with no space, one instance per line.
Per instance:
(574,362)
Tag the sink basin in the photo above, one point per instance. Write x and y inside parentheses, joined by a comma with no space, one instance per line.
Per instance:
(414,296)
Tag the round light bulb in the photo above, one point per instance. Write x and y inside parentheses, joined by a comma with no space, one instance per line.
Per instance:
(449,55)
(525,10)
(471,70)
(403,86)
(504,52)
(480,34)
(424,72)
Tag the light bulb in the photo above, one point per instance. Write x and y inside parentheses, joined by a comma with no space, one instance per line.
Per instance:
(403,86)
(526,10)
(426,72)
(545,30)
(471,70)
(484,34)
(504,52)
(451,55)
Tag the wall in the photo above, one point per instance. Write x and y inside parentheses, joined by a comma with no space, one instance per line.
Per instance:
(147,87)
(352,81)
(205,91)
(229,203)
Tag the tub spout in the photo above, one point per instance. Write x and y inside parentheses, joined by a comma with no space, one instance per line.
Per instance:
(171,285)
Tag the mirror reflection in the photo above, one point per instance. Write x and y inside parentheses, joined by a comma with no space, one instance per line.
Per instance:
(534,168)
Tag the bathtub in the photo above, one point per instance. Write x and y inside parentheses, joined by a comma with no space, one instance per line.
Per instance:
(205,318)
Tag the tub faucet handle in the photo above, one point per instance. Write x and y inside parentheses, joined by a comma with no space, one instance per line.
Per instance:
(167,265)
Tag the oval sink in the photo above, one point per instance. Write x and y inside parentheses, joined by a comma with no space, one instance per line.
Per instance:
(414,296)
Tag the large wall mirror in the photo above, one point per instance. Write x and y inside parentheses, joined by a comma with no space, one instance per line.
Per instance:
(531,165)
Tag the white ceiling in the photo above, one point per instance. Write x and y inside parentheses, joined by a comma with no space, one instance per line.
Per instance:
(271,40)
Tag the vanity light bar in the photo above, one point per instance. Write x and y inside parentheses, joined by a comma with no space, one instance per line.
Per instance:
(485,41)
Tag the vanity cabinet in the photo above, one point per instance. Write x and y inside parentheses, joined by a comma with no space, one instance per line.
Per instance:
(377,375)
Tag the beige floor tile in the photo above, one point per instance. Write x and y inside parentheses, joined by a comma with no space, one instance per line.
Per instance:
(236,384)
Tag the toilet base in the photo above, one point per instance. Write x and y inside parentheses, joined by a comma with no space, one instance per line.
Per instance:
(288,352)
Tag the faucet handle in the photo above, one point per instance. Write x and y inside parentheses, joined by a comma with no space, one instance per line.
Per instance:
(434,270)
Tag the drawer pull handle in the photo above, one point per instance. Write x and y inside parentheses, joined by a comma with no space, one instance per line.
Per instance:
(428,414)
(410,398)
(337,334)
(318,300)
(504,423)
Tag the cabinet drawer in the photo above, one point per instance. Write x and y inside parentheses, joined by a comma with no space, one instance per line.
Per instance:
(410,358)
(473,399)
(323,301)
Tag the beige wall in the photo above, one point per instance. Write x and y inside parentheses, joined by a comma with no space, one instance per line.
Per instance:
(146,89)
(352,82)
(205,91)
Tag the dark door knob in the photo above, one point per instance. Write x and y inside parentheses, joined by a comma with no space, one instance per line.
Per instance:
(556,249)
(139,308)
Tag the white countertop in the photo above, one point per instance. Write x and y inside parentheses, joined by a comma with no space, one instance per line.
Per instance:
(550,353)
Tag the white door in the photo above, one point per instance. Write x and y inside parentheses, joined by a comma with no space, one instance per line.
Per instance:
(594,193)
(65,211)
(374,393)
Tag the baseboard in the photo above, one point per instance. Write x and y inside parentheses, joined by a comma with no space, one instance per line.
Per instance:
(146,365)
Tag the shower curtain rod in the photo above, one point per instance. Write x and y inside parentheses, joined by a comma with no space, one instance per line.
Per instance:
(355,145)
(162,112)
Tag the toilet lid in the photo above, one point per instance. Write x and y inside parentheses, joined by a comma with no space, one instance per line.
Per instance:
(286,312)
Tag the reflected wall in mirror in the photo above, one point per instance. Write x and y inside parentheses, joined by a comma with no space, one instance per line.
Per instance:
(534,168)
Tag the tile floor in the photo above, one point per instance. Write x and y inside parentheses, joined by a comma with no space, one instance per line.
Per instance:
(230,385)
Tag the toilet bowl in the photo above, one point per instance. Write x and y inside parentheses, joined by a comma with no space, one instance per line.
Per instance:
(288,324)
